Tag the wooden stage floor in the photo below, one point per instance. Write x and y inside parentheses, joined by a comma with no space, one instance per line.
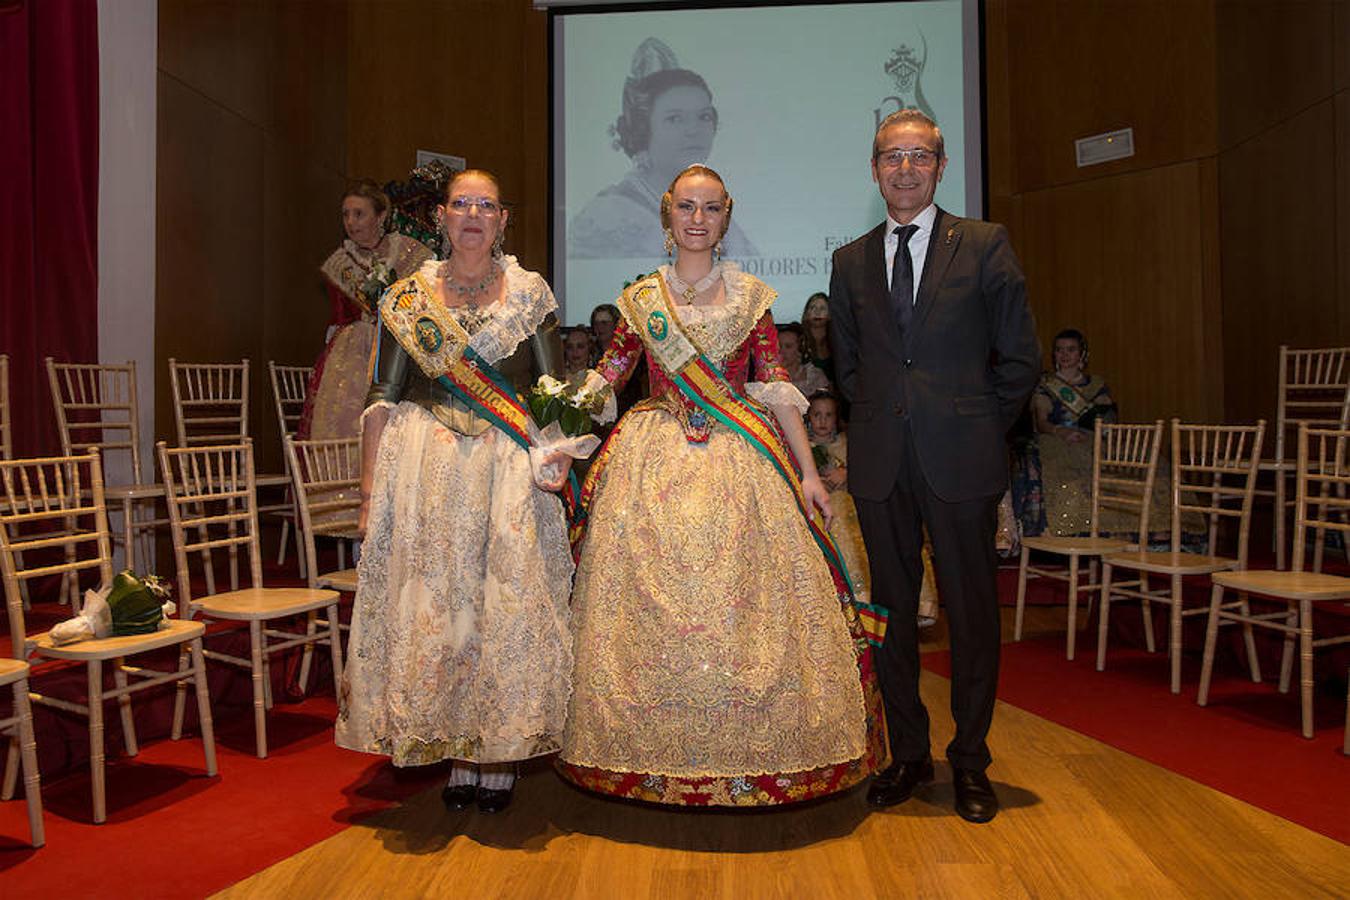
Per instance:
(1079,819)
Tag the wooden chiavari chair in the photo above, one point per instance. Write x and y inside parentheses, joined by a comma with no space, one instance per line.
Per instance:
(1314,388)
(1213,474)
(65,495)
(328,487)
(19,727)
(1322,470)
(96,406)
(212,493)
(210,408)
(290,388)
(1124,464)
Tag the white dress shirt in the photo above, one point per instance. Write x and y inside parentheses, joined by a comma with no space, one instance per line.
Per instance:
(918,245)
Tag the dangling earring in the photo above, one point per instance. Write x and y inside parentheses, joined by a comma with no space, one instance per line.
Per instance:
(497,243)
(718,250)
(670,242)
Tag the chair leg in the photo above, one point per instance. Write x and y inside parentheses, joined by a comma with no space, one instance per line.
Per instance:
(1174,635)
(1073,607)
(204,706)
(1305,655)
(1146,612)
(180,698)
(1249,639)
(1279,520)
(124,705)
(1021,592)
(307,654)
(1211,641)
(128,534)
(1104,617)
(32,780)
(1345,747)
(1287,656)
(11,767)
(259,699)
(96,772)
(267,672)
(335,650)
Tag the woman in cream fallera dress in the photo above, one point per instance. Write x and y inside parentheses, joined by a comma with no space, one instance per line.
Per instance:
(718,658)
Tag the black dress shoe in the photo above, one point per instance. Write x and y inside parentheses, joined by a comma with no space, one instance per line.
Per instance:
(493,801)
(975,797)
(458,796)
(897,782)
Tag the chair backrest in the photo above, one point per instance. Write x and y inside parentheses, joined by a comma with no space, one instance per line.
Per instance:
(1323,476)
(210,402)
(1214,475)
(1314,389)
(6,438)
(210,493)
(53,521)
(290,386)
(327,479)
(96,407)
(1125,465)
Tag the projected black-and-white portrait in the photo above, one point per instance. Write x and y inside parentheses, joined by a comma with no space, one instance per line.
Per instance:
(667,121)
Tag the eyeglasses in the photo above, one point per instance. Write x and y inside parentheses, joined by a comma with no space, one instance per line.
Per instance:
(919,157)
(460,206)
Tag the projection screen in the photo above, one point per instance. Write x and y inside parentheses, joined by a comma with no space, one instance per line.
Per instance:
(783,101)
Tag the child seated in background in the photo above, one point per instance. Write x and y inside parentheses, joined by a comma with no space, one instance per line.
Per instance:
(829,446)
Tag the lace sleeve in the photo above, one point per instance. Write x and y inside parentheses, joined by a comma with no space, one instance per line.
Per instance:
(776,394)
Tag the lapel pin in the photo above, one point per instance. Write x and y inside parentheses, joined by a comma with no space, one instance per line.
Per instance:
(951,235)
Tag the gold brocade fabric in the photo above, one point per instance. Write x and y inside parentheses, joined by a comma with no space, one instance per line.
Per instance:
(1066,476)
(341,394)
(709,636)
(461,643)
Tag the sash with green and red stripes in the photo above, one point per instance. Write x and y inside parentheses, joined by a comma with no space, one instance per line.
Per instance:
(648,309)
(440,346)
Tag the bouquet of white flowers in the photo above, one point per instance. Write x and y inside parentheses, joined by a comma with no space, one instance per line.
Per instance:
(377,281)
(563,413)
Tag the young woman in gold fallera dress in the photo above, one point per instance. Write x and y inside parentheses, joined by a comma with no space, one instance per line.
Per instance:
(719,658)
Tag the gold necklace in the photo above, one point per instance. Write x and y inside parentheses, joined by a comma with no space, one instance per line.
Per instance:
(469,291)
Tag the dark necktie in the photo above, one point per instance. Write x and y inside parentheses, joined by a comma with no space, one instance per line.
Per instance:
(902,278)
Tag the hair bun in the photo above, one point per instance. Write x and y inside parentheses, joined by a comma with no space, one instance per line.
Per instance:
(652,55)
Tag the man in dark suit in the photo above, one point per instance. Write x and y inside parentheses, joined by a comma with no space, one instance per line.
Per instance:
(936,349)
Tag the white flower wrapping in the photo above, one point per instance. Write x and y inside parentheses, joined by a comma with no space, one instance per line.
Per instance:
(549,440)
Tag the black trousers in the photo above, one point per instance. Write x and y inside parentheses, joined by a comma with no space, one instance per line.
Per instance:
(966,564)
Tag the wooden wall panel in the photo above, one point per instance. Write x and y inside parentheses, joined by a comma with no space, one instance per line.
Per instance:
(472,80)
(1275,59)
(1278,223)
(252,162)
(1077,69)
(1120,259)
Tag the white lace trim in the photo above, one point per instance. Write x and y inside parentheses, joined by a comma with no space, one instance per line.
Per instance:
(777,394)
(525,303)
(718,331)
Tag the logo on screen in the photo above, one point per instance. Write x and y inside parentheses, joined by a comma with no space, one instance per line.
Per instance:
(905,68)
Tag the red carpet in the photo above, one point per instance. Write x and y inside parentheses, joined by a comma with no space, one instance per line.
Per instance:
(173,832)
(1246,743)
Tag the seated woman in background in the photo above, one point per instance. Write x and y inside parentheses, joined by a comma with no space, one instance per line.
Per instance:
(806,376)
(829,448)
(356,274)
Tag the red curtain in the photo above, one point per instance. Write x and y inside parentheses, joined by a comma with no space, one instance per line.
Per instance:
(48,202)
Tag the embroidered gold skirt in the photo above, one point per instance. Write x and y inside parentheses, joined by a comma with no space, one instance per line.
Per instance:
(716,660)
(461,642)
(342,385)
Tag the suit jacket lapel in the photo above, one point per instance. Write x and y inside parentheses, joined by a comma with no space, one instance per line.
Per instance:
(874,277)
(942,246)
